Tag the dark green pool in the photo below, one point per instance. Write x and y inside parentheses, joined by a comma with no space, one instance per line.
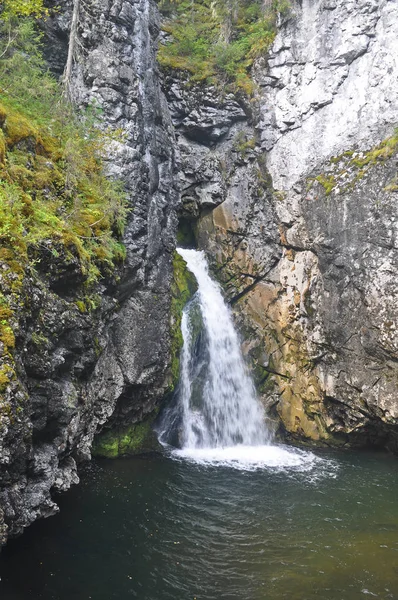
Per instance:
(164,529)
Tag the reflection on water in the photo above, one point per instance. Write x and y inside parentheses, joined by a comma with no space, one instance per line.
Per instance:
(164,529)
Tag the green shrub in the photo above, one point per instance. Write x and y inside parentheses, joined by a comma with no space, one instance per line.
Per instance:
(218,40)
(53,188)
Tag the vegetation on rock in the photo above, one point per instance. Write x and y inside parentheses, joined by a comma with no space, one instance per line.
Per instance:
(57,207)
(183,287)
(22,8)
(346,170)
(217,41)
(126,441)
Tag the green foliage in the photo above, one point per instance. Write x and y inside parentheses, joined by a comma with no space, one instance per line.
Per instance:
(183,287)
(22,8)
(243,144)
(39,339)
(213,39)
(346,170)
(57,207)
(53,189)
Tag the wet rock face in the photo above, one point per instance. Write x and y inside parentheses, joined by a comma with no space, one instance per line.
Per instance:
(331,88)
(208,128)
(309,266)
(355,314)
(81,365)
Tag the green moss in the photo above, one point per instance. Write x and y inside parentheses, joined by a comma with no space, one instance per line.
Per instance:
(39,339)
(7,336)
(182,289)
(243,144)
(2,148)
(81,305)
(4,379)
(126,441)
(53,190)
(97,347)
(328,183)
(217,43)
(6,375)
(106,445)
(17,129)
(347,169)
(392,186)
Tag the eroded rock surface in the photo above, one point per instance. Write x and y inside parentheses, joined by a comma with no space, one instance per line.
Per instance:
(82,364)
(302,228)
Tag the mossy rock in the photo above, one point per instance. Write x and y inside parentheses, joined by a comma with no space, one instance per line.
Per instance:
(348,169)
(183,287)
(129,440)
(184,283)
(18,129)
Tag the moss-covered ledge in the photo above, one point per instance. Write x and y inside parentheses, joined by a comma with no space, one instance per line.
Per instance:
(127,440)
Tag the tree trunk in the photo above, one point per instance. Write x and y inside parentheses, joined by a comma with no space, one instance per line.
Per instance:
(66,81)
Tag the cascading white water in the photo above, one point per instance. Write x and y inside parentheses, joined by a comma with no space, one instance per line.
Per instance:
(216,417)
(229,413)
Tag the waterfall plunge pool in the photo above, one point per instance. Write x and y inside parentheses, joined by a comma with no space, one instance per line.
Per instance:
(157,528)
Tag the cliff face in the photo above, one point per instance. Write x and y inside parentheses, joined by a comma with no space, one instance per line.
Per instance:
(291,194)
(319,308)
(330,100)
(82,365)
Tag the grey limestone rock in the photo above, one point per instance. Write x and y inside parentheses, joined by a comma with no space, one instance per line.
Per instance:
(331,84)
(326,315)
(303,231)
(79,370)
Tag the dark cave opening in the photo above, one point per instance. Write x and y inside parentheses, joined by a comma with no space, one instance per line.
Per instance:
(186,233)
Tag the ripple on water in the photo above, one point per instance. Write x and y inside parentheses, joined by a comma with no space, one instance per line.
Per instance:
(254,458)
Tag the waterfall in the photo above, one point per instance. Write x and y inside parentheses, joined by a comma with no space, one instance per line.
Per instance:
(216,396)
(216,417)
(228,412)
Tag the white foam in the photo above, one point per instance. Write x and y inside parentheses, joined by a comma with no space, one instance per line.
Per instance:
(253,458)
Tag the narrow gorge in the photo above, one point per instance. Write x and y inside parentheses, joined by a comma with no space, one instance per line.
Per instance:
(259,136)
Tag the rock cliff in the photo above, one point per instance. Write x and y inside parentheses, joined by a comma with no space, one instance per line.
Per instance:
(292,193)
(78,366)
(304,236)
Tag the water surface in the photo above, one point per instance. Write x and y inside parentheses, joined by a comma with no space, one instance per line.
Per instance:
(162,528)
